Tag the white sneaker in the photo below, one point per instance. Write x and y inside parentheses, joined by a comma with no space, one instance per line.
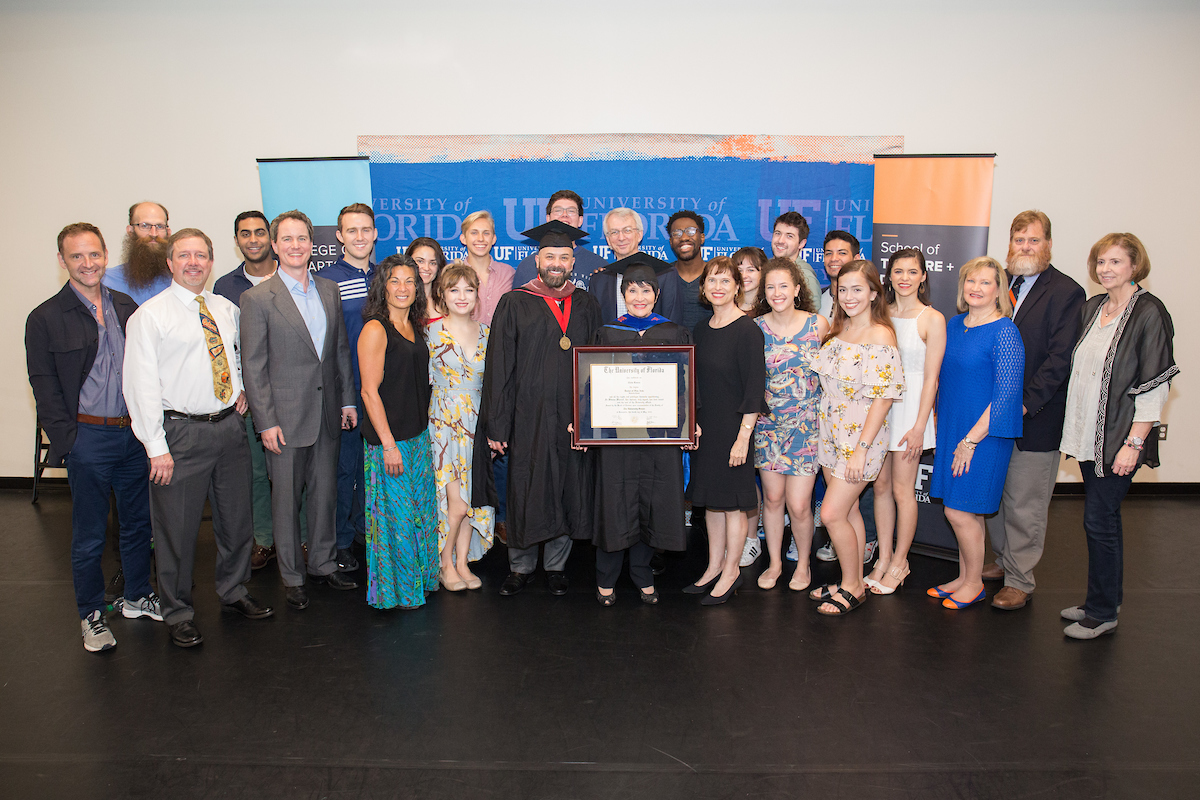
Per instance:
(96,635)
(1075,613)
(825,552)
(751,551)
(792,554)
(869,552)
(149,606)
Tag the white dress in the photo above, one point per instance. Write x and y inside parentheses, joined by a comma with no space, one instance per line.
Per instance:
(903,413)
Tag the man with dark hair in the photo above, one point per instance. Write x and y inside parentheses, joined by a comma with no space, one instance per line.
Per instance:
(143,272)
(352,273)
(840,249)
(788,238)
(1046,306)
(564,206)
(74,346)
(686,232)
(184,388)
(296,366)
(251,235)
(526,406)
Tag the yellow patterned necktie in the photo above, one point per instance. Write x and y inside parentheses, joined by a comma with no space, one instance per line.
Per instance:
(222,383)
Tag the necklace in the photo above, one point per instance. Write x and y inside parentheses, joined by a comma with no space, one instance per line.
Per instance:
(967,327)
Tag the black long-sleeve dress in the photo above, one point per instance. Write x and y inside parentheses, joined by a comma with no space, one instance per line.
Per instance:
(731,380)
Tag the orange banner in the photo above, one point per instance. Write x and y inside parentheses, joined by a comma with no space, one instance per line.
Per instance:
(934,190)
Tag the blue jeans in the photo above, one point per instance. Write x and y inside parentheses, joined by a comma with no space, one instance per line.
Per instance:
(1106,549)
(106,459)
(351,490)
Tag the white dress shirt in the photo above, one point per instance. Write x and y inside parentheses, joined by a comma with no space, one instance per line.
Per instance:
(167,365)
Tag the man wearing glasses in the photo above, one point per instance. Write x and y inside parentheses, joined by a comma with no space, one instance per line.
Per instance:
(623,229)
(143,272)
(564,206)
(686,231)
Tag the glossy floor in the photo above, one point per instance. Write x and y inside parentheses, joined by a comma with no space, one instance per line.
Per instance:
(534,696)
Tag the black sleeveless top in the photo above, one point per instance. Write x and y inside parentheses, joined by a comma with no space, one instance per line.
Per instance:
(405,388)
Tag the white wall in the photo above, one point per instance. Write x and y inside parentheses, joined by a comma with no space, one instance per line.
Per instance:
(1092,108)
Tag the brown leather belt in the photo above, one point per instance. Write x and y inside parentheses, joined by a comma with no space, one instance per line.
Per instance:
(119,422)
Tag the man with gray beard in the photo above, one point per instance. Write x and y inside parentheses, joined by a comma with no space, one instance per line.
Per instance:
(1046,306)
(143,271)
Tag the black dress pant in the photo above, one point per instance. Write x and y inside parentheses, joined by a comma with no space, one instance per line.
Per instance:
(608,566)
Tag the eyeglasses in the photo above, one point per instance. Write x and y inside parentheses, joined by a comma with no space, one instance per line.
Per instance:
(628,231)
(678,233)
(146,227)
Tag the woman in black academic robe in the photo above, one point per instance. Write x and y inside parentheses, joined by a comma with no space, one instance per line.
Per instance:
(639,488)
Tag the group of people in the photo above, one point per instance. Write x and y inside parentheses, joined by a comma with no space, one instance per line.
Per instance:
(425,409)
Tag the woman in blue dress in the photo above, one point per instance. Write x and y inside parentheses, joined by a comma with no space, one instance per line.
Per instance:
(978,413)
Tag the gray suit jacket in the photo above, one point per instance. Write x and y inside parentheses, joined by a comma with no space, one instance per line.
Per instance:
(287,383)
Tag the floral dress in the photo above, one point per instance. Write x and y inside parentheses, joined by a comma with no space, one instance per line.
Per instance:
(457,379)
(852,377)
(785,440)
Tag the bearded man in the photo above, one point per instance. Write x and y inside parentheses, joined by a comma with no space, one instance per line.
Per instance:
(528,388)
(1046,306)
(143,272)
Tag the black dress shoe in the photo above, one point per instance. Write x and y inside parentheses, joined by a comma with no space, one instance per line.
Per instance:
(514,583)
(185,634)
(557,581)
(658,564)
(249,608)
(297,597)
(335,580)
(346,561)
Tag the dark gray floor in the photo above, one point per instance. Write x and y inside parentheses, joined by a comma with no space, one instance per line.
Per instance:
(541,697)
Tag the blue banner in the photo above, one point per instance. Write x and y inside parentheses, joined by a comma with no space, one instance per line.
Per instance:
(739,200)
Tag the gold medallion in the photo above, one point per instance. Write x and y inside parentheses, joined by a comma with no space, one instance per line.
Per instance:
(564,343)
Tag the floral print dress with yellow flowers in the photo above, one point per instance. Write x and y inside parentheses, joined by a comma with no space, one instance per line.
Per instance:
(457,379)
(852,377)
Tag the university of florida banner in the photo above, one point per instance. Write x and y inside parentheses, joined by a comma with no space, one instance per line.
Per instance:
(941,204)
(425,185)
(320,187)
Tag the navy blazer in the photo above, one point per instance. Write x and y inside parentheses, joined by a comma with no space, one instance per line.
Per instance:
(1049,324)
(605,285)
(61,337)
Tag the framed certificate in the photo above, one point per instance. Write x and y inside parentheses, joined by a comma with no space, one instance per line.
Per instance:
(635,395)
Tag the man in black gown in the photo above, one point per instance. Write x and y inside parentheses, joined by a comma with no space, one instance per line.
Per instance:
(526,407)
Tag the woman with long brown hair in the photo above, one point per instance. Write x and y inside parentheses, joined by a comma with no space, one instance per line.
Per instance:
(402,557)
(427,254)
(861,374)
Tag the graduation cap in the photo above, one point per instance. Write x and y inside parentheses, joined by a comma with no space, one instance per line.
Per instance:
(639,259)
(555,233)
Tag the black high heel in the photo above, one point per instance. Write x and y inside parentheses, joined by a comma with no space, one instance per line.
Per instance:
(713,600)
(696,588)
(606,600)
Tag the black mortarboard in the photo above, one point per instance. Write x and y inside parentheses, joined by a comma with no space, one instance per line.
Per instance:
(639,259)
(555,233)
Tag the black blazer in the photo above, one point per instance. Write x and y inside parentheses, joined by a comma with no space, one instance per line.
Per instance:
(61,337)
(1049,324)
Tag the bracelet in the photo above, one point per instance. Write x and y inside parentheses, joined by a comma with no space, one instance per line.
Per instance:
(390,449)
(1135,443)
(967,443)
(747,427)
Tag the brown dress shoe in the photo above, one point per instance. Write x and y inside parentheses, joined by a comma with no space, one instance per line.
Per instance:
(261,556)
(1010,599)
(502,532)
(993,572)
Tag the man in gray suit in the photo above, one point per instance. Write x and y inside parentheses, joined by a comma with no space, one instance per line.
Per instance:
(296,367)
